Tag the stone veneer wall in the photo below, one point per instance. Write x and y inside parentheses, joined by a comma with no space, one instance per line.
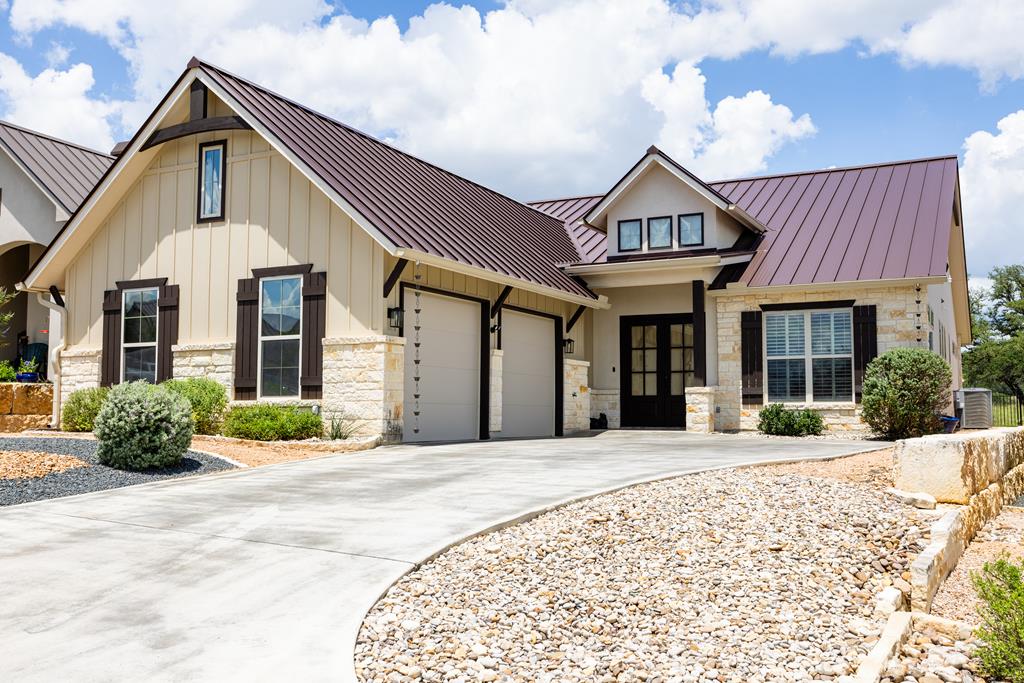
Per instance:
(576,399)
(896,324)
(213,360)
(494,414)
(364,377)
(25,406)
(79,369)
(606,401)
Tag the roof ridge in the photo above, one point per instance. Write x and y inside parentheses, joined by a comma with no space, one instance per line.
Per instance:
(200,63)
(53,138)
(531,202)
(854,167)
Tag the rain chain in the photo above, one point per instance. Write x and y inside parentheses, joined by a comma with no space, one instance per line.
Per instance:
(417,292)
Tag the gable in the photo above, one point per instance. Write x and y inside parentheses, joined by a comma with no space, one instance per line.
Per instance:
(27,214)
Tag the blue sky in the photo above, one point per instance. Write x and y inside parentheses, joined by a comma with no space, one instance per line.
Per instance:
(541,99)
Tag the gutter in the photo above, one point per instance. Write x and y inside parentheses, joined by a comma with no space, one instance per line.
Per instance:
(53,363)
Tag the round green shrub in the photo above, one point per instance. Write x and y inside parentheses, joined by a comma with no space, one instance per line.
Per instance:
(270,422)
(80,410)
(7,371)
(208,399)
(142,426)
(904,391)
(778,420)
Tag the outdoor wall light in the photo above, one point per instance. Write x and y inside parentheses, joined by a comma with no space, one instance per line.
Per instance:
(395,317)
(568,345)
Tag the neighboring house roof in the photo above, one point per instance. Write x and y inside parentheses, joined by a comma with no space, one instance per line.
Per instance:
(66,172)
(414,204)
(883,221)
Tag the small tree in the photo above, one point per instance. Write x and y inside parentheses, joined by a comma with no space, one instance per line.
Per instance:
(6,297)
(1000,587)
(905,389)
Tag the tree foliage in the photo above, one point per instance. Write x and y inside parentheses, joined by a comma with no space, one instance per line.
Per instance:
(997,364)
(996,360)
(1006,300)
(6,297)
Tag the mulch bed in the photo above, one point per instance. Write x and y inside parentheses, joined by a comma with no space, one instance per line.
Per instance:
(33,484)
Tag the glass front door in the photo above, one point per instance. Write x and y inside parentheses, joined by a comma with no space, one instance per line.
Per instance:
(657,366)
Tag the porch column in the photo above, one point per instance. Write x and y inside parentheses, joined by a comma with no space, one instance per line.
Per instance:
(700,335)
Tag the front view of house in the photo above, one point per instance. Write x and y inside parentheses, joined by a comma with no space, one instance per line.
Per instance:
(246,238)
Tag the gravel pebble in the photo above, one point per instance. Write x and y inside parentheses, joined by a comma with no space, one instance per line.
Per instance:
(722,576)
(929,655)
(93,477)
(30,464)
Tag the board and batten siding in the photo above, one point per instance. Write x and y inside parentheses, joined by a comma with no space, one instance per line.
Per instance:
(273,216)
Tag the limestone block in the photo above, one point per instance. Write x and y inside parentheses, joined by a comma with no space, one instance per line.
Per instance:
(6,398)
(19,423)
(33,399)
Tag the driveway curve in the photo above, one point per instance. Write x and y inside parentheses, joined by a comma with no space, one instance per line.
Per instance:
(268,572)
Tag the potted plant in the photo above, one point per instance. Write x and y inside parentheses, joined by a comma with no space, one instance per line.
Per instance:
(27,371)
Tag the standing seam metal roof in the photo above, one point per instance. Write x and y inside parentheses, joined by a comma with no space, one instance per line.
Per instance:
(415,204)
(882,221)
(66,171)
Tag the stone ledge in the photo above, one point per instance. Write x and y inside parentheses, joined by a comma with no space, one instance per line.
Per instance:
(81,353)
(363,340)
(576,362)
(211,346)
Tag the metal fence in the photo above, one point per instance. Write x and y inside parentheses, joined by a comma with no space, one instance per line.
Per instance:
(1007,410)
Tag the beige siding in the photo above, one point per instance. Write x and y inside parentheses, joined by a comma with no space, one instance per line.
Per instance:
(274,216)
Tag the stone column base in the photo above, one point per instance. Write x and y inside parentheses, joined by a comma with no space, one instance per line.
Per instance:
(700,409)
(364,380)
(79,369)
(215,360)
(576,399)
(606,401)
(494,413)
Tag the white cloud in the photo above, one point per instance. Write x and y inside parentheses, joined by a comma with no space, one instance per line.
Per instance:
(992,181)
(57,102)
(57,55)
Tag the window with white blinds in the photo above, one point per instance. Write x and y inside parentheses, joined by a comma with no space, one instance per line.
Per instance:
(809,344)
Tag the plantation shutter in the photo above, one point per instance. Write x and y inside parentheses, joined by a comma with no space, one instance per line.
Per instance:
(751,358)
(865,343)
(167,331)
(247,339)
(110,357)
(314,326)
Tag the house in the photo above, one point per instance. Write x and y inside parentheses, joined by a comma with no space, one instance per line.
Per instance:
(244,237)
(42,181)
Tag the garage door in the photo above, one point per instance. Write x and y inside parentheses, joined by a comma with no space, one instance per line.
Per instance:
(527,375)
(449,369)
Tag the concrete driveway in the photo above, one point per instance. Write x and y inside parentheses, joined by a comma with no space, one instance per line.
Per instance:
(267,573)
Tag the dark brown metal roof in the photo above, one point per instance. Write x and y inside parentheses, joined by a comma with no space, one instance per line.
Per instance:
(65,171)
(590,242)
(882,221)
(414,204)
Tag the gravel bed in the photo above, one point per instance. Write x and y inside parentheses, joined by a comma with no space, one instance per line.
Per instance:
(94,477)
(929,656)
(723,576)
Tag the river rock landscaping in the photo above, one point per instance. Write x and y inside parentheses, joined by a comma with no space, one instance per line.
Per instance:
(931,655)
(34,468)
(739,575)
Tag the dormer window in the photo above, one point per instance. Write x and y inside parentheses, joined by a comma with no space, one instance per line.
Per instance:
(659,232)
(630,235)
(211,181)
(691,229)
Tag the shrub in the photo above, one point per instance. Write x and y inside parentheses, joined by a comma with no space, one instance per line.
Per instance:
(208,399)
(1000,587)
(7,373)
(141,426)
(904,392)
(341,426)
(81,408)
(778,420)
(269,422)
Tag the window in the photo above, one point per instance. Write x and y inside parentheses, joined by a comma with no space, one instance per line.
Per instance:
(691,229)
(138,335)
(644,347)
(280,335)
(814,344)
(630,238)
(659,232)
(211,180)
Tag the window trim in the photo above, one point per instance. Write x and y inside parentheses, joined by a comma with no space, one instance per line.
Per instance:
(640,224)
(139,345)
(671,237)
(679,230)
(279,337)
(203,146)
(808,355)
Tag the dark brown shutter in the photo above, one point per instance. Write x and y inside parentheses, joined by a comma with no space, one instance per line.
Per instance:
(865,343)
(110,359)
(751,358)
(700,337)
(314,326)
(167,326)
(246,339)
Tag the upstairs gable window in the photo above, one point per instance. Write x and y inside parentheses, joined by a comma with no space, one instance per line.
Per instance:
(659,232)
(691,229)
(630,235)
(211,180)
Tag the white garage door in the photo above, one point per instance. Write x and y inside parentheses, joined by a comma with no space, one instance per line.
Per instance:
(449,369)
(527,375)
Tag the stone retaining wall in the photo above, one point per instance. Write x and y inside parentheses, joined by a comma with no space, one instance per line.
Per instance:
(576,399)
(25,406)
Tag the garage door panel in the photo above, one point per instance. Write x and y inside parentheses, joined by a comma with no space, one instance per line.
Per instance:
(449,368)
(528,375)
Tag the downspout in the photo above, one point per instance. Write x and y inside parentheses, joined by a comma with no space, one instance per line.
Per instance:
(53,368)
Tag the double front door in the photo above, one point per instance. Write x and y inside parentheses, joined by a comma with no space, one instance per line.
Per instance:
(657,365)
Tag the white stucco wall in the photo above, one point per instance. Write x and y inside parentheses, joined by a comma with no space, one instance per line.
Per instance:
(26,214)
(940,300)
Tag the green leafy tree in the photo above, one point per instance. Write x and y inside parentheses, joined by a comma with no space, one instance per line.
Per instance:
(6,297)
(1006,300)
(997,364)
(981,328)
